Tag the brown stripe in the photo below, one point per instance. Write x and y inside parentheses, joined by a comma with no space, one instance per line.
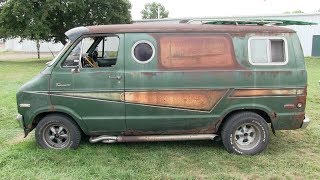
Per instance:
(112,96)
(193,99)
(264,92)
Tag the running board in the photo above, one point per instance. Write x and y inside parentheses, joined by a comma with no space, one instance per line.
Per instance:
(113,139)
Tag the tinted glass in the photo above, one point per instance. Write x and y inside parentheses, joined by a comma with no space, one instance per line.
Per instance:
(143,52)
(277,51)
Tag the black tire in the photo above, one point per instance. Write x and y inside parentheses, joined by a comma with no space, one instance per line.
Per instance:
(245,133)
(56,131)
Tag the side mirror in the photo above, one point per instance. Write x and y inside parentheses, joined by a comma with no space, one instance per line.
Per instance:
(76,69)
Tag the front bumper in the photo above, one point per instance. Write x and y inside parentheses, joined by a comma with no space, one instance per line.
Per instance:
(305,122)
(20,121)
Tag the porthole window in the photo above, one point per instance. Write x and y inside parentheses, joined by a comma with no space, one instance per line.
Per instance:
(143,51)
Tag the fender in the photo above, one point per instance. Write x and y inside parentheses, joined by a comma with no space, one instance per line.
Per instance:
(250,106)
(61,109)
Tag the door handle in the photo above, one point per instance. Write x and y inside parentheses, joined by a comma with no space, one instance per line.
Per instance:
(115,77)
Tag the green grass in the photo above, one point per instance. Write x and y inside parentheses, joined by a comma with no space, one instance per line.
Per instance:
(290,154)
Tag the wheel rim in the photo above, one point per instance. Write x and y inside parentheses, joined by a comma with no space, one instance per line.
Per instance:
(247,136)
(56,136)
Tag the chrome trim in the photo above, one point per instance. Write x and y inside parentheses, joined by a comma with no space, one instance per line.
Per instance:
(24,105)
(20,120)
(62,85)
(151,138)
(140,42)
(305,122)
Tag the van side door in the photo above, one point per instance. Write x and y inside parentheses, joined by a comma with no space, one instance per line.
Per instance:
(97,84)
(161,100)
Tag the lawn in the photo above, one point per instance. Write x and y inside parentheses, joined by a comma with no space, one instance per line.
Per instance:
(290,154)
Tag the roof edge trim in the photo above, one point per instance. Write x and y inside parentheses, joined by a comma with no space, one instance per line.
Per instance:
(75,33)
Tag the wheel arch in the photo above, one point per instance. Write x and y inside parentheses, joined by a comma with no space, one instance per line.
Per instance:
(265,113)
(62,111)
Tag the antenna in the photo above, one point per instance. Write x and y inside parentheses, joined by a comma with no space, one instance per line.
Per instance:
(51,51)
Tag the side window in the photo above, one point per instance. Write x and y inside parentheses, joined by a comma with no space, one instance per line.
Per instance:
(100,52)
(111,47)
(94,52)
(73,58)
(268,51)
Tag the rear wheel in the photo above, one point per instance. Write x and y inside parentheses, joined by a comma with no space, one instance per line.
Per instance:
(57,132)
(245,133)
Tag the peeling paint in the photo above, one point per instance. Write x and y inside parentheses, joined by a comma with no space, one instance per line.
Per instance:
(187,99)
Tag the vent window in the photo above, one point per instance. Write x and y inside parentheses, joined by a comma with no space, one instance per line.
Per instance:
(268,51)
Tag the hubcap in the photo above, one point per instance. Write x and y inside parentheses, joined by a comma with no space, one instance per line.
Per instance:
(247,136)
(56,136)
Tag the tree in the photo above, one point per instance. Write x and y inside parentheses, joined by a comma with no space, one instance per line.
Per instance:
(67,14)
(45,20)
(154,11)
(25,19)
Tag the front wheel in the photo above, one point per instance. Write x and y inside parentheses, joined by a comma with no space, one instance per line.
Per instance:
(57,132)
(245,133)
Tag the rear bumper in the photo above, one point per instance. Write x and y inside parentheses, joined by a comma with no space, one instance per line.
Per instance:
(305,122)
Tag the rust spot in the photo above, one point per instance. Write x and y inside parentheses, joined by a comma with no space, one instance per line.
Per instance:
(218,124)
(289,106)
(203,100)
(149,73)
(273,116)
(52,108)
(161,28)
(302,97)
(196,51)
(298,120)
(210,129)
(299,116)
(263,92)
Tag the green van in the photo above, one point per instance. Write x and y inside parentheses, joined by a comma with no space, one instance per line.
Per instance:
(156,82)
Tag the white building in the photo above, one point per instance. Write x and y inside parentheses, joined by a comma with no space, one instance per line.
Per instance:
(309,34)
(30,46)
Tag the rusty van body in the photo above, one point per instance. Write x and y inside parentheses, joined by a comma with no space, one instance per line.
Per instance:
(124,83)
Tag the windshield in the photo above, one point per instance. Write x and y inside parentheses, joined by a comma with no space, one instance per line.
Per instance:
(58,56)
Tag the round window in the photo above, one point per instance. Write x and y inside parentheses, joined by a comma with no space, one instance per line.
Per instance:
(143,51)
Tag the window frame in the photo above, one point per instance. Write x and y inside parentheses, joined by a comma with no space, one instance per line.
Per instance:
(73,44)
(140,42)
(269,55)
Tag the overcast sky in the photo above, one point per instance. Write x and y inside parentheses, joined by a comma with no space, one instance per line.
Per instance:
(201,8)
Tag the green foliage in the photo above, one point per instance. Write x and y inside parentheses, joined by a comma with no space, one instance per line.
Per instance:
(73,13)
(49,19)
(150,11)
(25,19)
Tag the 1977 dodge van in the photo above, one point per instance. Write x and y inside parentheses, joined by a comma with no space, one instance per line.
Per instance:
(138,82)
